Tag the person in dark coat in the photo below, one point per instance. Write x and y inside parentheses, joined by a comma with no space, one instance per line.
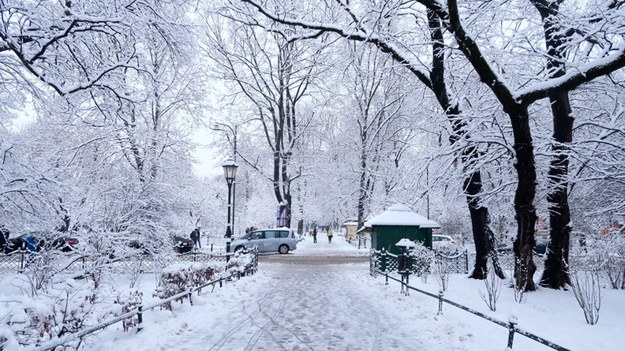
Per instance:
(314,234)
(4,237)
(195,236)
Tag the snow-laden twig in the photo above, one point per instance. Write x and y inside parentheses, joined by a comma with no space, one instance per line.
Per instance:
(587,290)
(493,287)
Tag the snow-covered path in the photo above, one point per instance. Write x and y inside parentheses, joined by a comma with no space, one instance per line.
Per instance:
(305,307)
(307,302)
(321,297)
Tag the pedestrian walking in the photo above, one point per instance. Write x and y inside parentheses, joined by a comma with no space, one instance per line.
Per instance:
(330,234)
(314,235)
(4,237)
(195,236)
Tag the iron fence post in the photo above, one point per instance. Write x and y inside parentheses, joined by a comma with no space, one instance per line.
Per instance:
(407,283)
(21,267)
(511,330)
(384,262)
(440,302)
(140,318)
(191,296)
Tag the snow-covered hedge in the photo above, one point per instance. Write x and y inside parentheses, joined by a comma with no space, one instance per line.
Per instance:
(422,258)
(31,320)
(178,278)
(241,263)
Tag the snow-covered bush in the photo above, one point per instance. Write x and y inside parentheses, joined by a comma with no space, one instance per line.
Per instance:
(604,253)
(422,258)
(242,263)
(128,301)
(615,261)
(493,287)
(585,272)
(441,272)
(66,308)
(42,267)
(587,290)
(178,278)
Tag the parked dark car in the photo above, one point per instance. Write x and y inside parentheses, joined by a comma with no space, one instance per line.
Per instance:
(38,241)
(539,249)
(148,246)
(504,247)
(182,244)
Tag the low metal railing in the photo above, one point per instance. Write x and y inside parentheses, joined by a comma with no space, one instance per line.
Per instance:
(511,325)
(141,309)
(383,261)
(20,261)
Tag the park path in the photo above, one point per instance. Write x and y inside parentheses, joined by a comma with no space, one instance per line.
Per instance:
(313,299)
(319,297)
(311,307)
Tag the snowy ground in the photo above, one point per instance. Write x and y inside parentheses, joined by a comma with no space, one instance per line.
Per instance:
(323,304)
(321,297)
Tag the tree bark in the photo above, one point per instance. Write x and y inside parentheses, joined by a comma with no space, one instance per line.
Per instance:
(525,166)
(483,237)
(555,275)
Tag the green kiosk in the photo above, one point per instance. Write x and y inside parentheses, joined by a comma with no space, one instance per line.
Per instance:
(396,223)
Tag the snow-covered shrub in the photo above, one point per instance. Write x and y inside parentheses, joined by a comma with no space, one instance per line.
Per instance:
(7,338)
(179,278)
(615,261)
(448,249)
(241,263)
(587,290)
(584,273)
(40,268)
(493,287)
(128,301)
(422,258)
(67,308)
(441,272)
(605,254)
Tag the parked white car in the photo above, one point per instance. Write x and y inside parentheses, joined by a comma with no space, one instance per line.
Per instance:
(281,240)
(444,243)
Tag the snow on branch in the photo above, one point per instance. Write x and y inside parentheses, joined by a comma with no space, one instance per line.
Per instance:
(574,77)
(361,36)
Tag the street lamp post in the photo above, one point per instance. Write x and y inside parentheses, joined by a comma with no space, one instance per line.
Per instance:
(230,172)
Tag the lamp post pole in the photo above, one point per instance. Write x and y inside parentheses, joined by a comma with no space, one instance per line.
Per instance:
(234,182)
(230,171)
(229,225)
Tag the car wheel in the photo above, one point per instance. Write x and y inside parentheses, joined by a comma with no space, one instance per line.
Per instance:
(283,249)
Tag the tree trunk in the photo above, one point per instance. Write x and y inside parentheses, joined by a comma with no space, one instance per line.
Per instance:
(555,275)
(524,267)
(483,236)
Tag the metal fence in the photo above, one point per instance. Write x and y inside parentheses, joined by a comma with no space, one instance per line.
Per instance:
(138,313)
(385,263)
(21,261)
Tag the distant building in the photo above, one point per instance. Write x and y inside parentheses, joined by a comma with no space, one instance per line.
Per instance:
(351,226)
(396,223)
